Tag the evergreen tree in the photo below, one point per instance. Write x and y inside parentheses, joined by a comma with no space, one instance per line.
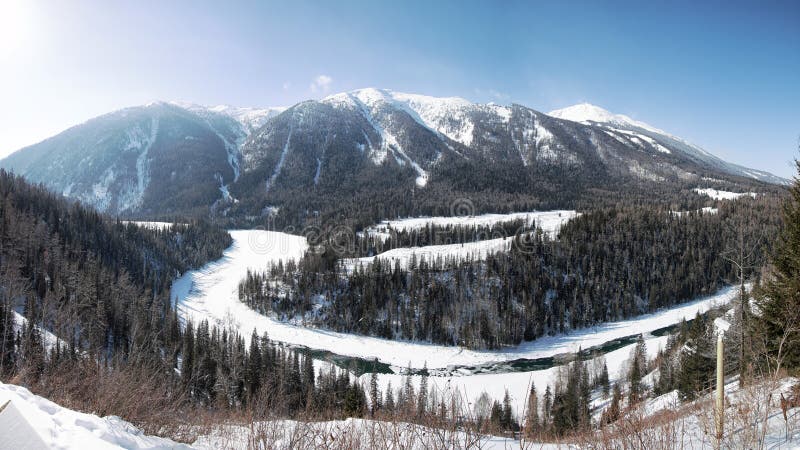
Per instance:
(697,360)
(532,421)
(254,365)
(422,400)
(779,303)
(547,408)
(604,380)
(389,402)
(638,368)
(374,393)
(612,413)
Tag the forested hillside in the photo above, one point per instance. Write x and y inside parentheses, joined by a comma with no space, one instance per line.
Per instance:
(101,334)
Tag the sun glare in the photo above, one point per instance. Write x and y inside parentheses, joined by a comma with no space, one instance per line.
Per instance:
(15,25)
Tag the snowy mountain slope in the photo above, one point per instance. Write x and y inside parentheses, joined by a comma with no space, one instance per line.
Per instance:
(633,130)
(153,158)
(165,158)
(425,141)
(156,158)
(250,118)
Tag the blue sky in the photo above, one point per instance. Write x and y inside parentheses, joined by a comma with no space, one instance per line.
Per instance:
(723,75)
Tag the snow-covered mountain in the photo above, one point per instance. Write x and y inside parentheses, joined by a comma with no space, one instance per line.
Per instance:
(627,129)
(251,119)
(451,140)
(157,158)
(374,143)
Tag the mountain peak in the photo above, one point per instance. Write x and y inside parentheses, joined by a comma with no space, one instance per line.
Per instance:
(587,113)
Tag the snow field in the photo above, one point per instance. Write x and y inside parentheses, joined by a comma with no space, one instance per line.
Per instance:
(549,221)
(723,195)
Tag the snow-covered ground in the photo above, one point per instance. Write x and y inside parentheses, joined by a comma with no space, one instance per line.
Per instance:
(549,221)
(704,210)
(348,434)
(50,339)
(62,428)
(45,422)
(723,195)
(150,225)
(745,413)
(48,423)
(459,252)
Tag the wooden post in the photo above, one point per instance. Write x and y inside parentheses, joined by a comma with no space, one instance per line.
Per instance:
(719,410)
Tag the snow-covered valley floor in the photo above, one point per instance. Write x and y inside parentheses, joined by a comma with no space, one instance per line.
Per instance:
(211,293)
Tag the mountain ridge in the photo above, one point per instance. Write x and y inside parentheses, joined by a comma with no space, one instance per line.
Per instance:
(174,157)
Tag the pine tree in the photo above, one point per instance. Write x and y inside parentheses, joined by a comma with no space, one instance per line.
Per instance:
(547,408)
(389,402)
(779,303)
(253,374)
(637,370)
(496,415)
(507,420)
(532,421)
(697,360)
(611,414)
(374,393)
(604,380)
(422,400)
(187,365)
(408,391)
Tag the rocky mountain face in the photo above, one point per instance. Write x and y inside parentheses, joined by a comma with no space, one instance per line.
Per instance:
(368,146)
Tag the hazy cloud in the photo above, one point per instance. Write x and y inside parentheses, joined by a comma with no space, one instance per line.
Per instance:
(493,94)
(322,83)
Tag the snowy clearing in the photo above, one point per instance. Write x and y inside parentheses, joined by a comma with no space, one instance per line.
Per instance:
(459,252)
(549,221)
(150,225)
(704,210)
(50,339)
(723,195)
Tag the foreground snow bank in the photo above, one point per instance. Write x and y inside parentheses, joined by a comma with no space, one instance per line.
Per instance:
(753,419)
(62,428)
